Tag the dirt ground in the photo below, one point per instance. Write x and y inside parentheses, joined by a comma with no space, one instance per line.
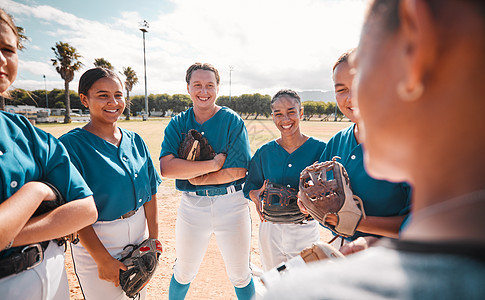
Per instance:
(211,281)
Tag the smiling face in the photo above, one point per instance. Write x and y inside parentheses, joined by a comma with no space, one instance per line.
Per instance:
(104,100)
(342,79)
(388,125)
(8,57)
(286,113)
(203,89)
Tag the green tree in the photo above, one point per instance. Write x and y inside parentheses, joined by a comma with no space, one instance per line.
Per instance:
(309,109)
(103,63)
(130,80)
(66,63)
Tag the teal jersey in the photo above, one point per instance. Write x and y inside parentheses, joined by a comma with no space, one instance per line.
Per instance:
(381,198)
(272,162)
(225,132)
(122,178)
(30,154)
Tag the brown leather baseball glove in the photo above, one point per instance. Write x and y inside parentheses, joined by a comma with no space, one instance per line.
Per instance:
(279,204)
(321,196)
(141,262)
(195,147)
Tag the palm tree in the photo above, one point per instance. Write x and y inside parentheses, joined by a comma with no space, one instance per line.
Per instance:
(130,81)
(66,63)
(103,63)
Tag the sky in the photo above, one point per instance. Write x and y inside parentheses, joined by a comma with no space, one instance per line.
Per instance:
(270,44)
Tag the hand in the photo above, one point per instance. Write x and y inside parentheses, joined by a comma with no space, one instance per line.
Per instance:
(199,180)
(218,161)
(256,197)
(301,206)
(109,270)
(359,244)
(331,219)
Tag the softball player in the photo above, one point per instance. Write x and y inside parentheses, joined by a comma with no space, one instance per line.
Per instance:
(212,199)
(281,161)
(386,204)
(31,264)
(118,168)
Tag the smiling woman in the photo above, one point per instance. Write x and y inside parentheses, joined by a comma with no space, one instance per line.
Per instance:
(117,166)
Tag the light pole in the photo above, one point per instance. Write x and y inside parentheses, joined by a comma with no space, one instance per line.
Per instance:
(46,98)
(231,68)
(144,27)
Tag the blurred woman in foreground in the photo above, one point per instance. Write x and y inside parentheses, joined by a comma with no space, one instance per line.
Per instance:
(417,62)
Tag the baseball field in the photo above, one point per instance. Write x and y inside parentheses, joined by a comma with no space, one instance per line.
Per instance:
(211,281)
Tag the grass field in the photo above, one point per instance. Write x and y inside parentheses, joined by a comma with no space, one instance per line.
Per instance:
(211,281)
(260,131)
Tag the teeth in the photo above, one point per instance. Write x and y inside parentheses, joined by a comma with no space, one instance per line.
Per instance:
(111,110)
(286,126)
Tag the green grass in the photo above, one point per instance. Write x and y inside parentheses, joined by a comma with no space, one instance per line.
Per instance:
(260,131)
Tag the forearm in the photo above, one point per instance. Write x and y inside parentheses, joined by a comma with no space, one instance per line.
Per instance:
(91,242)
(16,211)
(151,213)
(254,195)
(171,167)
(384,226)
(219,177)
(62,221)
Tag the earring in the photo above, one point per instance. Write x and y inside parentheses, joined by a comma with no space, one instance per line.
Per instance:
(409,95)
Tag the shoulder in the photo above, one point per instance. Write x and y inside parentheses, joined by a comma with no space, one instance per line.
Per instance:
(344,132)
(226,112)
(130,134)
(15,122)
(269,147)
(182,116)
(75,134)
(133,137)
(14,118)
(316,142)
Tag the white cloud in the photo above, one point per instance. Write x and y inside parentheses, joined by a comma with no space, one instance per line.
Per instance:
(272,43)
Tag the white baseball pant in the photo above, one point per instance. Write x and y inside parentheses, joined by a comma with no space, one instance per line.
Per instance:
(47,281)
(280,242)
(114,235)
(228,218)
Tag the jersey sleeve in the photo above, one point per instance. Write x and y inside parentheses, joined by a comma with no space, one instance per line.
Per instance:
(255,177)
(172,138)
(238,150)
(59,170)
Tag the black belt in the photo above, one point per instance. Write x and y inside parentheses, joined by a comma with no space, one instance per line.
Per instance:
(23,259)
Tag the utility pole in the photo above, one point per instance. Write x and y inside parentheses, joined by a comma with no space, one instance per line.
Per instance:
(144,29)
(46,98)
(231,68)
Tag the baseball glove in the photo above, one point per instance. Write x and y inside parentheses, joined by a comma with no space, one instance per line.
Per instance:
(279,204)
(141,261)
(195,147)
(318,251)
(322,197)
(49,205)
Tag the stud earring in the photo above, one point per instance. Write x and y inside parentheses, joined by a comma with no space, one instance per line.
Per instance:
(407,94)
